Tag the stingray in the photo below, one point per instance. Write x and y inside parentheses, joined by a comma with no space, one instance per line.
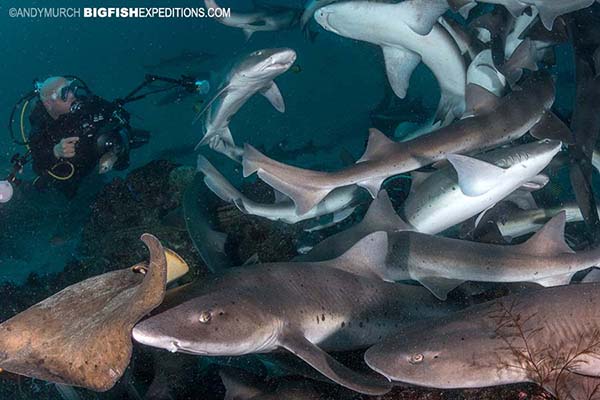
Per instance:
(81,336)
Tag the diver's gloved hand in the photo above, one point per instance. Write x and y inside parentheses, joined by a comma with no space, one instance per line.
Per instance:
(66,147)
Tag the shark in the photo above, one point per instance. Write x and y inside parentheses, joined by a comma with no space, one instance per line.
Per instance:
(262,19)
(380,216)
(253,73)
(548,10)
(470,186)
(265,307)
(408,34)
(513,221)
(340,202)
(442,264)
(525,337)
(310,8)
(494,122)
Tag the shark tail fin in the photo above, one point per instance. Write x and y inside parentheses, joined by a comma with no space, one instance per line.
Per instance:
(219,185)
(298,184)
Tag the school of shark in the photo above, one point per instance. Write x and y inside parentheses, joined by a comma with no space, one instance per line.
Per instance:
(468,280)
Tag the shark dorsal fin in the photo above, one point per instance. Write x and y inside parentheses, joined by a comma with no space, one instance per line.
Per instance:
(366,258)
(382,216)
(475,177)
(549,240)
(378,146)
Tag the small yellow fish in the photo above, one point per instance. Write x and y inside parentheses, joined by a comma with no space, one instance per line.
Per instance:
(198,107)
(296,69)
(107,161)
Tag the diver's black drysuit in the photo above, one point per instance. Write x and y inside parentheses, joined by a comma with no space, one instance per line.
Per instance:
(93,115)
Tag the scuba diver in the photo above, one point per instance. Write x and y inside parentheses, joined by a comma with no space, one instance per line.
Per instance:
(74,130)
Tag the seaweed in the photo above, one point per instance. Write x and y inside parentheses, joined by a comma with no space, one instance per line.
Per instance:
(550,366)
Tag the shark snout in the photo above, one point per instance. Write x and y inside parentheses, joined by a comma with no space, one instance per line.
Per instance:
(322,16)
(283,59)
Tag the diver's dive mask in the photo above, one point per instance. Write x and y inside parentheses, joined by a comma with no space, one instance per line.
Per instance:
(73,87)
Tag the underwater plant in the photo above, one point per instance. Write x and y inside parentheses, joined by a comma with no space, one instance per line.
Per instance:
(549,365)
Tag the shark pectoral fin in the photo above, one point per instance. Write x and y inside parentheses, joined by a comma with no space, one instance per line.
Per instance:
(417,179)
(216,182)
(515,7)
(341,215)
(522,199)
(551,127)
(280,197)
(535,183)
(176,266)
(239,386)
(556,280)
(337,217)
(475,177)
(550,240)
(247,33)
(420,15)
(479,100)
(217,240)
(273,94)
(378,146)
(365,258)
(381,216)
(463,7)
(399,65)
(548,14)
(220,93)
(370,384)
(439,287)
(523,57)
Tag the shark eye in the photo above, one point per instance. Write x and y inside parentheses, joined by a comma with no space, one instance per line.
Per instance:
(416,358)
(205,317)
(259,53)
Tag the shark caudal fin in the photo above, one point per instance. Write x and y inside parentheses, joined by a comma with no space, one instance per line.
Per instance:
(296,183)
(219,185)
